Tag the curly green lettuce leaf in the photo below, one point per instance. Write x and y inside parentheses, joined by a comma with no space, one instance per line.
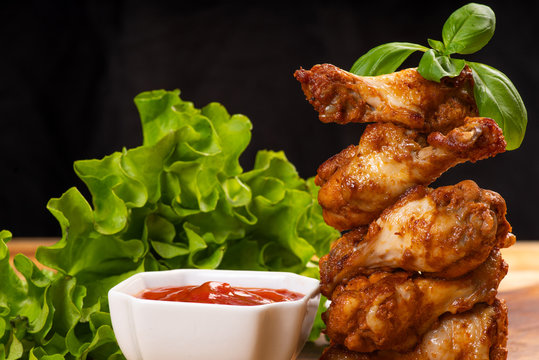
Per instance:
(180,200)
(45,309)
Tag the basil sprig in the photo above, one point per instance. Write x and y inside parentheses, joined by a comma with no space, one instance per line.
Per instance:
(466,31)
(434,66)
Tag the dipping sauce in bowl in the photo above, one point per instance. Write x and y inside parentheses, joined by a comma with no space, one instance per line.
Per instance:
(178,330)
(214,292)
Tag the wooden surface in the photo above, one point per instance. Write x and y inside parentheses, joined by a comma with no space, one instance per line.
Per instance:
(520,289)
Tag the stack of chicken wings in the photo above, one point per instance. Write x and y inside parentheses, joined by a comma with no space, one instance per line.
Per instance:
(416,271)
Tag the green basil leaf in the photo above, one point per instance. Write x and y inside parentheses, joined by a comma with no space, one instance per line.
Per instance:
(437,45)
(384,59)
(497,98)
(468,29)
(434,66)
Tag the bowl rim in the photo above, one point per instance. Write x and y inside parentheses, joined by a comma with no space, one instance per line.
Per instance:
(312,293)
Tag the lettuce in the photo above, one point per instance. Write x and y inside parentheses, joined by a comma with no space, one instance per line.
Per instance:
(181,200)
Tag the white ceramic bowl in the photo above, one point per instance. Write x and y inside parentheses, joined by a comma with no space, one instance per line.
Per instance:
(162,330)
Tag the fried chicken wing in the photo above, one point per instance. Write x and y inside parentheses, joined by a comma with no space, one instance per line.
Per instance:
(480,333)
(443,232)
(361,181)
(403,97)
(392,311)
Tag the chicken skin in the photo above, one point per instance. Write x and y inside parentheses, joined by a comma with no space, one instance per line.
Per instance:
(444,232)
(480,333)
(404,98)
(392,311)
(361,181)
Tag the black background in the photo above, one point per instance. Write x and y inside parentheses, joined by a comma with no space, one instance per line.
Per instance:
(70,69)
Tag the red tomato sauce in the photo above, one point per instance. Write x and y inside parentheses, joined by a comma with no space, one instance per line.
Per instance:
(213,292)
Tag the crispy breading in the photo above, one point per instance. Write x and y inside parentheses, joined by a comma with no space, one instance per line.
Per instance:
(444,232)
(393,310)
(361,181)
(480,333)
(403,97)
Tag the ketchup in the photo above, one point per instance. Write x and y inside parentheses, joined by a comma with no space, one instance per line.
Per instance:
(213,292)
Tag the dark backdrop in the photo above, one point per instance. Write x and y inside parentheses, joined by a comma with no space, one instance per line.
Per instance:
(70,70)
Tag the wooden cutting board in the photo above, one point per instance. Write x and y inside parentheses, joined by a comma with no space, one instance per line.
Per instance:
(520,289)
(523,307)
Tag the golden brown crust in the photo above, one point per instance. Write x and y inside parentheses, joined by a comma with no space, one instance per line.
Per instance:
(445,232)
(324,83)
(404,97)
(480,333)
(361,181)
(487,142)
(339,352)
(499,331)
(392,311)
(331,165)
